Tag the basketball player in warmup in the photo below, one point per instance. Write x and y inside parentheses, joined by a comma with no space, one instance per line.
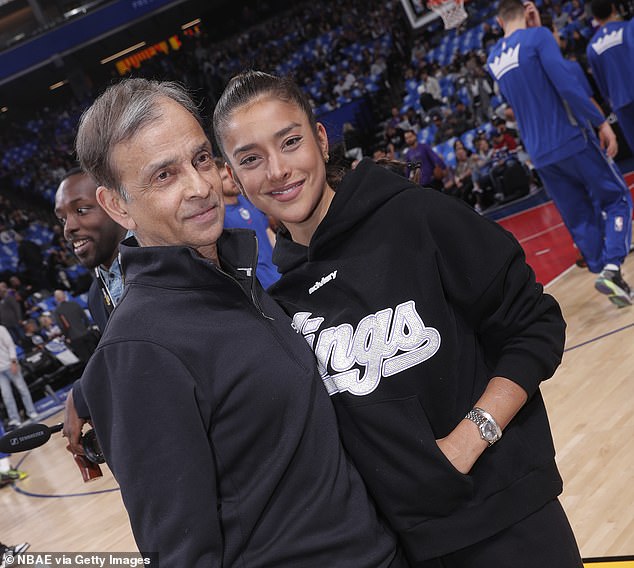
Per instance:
(555,118)
(610,55)
(241,214)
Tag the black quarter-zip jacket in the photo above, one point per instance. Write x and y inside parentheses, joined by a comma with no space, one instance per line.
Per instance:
(412,302)
(213,419)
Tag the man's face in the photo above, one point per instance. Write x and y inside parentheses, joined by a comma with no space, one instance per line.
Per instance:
(94,236)
(174,188)
(410,138)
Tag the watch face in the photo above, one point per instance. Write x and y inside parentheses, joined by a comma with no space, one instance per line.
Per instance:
(489,432)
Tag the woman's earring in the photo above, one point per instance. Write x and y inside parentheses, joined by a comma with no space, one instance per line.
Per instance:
(326,157)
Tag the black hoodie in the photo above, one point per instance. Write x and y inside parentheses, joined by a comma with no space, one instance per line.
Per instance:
(211,415)
(412,302)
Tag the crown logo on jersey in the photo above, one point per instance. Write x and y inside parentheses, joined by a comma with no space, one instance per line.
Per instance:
(607,41)
(502,64)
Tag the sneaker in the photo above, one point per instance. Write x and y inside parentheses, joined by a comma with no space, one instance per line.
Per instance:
(11,552)
(581,262)
(7,477)
(33,416)
(17,549)
(611,283)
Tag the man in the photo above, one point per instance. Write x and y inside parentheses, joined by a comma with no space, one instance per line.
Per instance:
(10,312)
(95,239)
(610,55)
(424,162)
(206,403)
(32,262)
(554,117)
(240,213)
(429,91)
(72,320)
(10,374)
(21,291)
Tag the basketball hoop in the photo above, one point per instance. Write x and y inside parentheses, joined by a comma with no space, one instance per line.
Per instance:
(452,12)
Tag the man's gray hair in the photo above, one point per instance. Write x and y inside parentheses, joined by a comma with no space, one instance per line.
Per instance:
(116,116)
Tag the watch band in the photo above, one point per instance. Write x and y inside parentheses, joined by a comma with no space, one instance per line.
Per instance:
(490,430)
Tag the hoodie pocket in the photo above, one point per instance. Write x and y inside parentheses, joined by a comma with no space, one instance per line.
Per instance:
(393,446)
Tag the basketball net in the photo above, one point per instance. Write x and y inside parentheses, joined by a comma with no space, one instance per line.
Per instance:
(452,12)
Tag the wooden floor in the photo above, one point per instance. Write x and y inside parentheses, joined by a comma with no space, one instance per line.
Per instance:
(590,401)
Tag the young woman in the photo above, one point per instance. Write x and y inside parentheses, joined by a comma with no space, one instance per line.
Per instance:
(430,331)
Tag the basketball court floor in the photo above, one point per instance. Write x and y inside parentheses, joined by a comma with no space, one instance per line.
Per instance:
(590,401)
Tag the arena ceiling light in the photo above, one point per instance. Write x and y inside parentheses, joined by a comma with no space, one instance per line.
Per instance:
(190,24)
(4,109)
(57,85)
(122,53)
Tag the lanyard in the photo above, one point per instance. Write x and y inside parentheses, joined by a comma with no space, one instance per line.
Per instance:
(109,301)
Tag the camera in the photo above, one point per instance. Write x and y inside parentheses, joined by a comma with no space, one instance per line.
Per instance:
(88,464)
(30,436)
(91,447)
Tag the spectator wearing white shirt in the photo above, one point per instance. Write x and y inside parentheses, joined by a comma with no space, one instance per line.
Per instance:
(10,374)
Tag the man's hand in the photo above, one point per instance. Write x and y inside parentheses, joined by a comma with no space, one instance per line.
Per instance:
(14,368)
(608,139)
(531,14)
(73,425)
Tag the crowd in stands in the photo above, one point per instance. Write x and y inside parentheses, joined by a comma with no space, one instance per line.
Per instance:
(428,90)
(35,260)
(451,103)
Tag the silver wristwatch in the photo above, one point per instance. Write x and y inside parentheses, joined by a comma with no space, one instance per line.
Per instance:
(490,431)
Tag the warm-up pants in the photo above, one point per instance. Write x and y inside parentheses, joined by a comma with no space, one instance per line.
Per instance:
(594,202)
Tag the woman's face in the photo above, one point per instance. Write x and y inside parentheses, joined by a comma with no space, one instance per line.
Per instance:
(279,162)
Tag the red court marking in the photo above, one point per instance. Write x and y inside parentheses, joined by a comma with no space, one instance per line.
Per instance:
(546,241)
